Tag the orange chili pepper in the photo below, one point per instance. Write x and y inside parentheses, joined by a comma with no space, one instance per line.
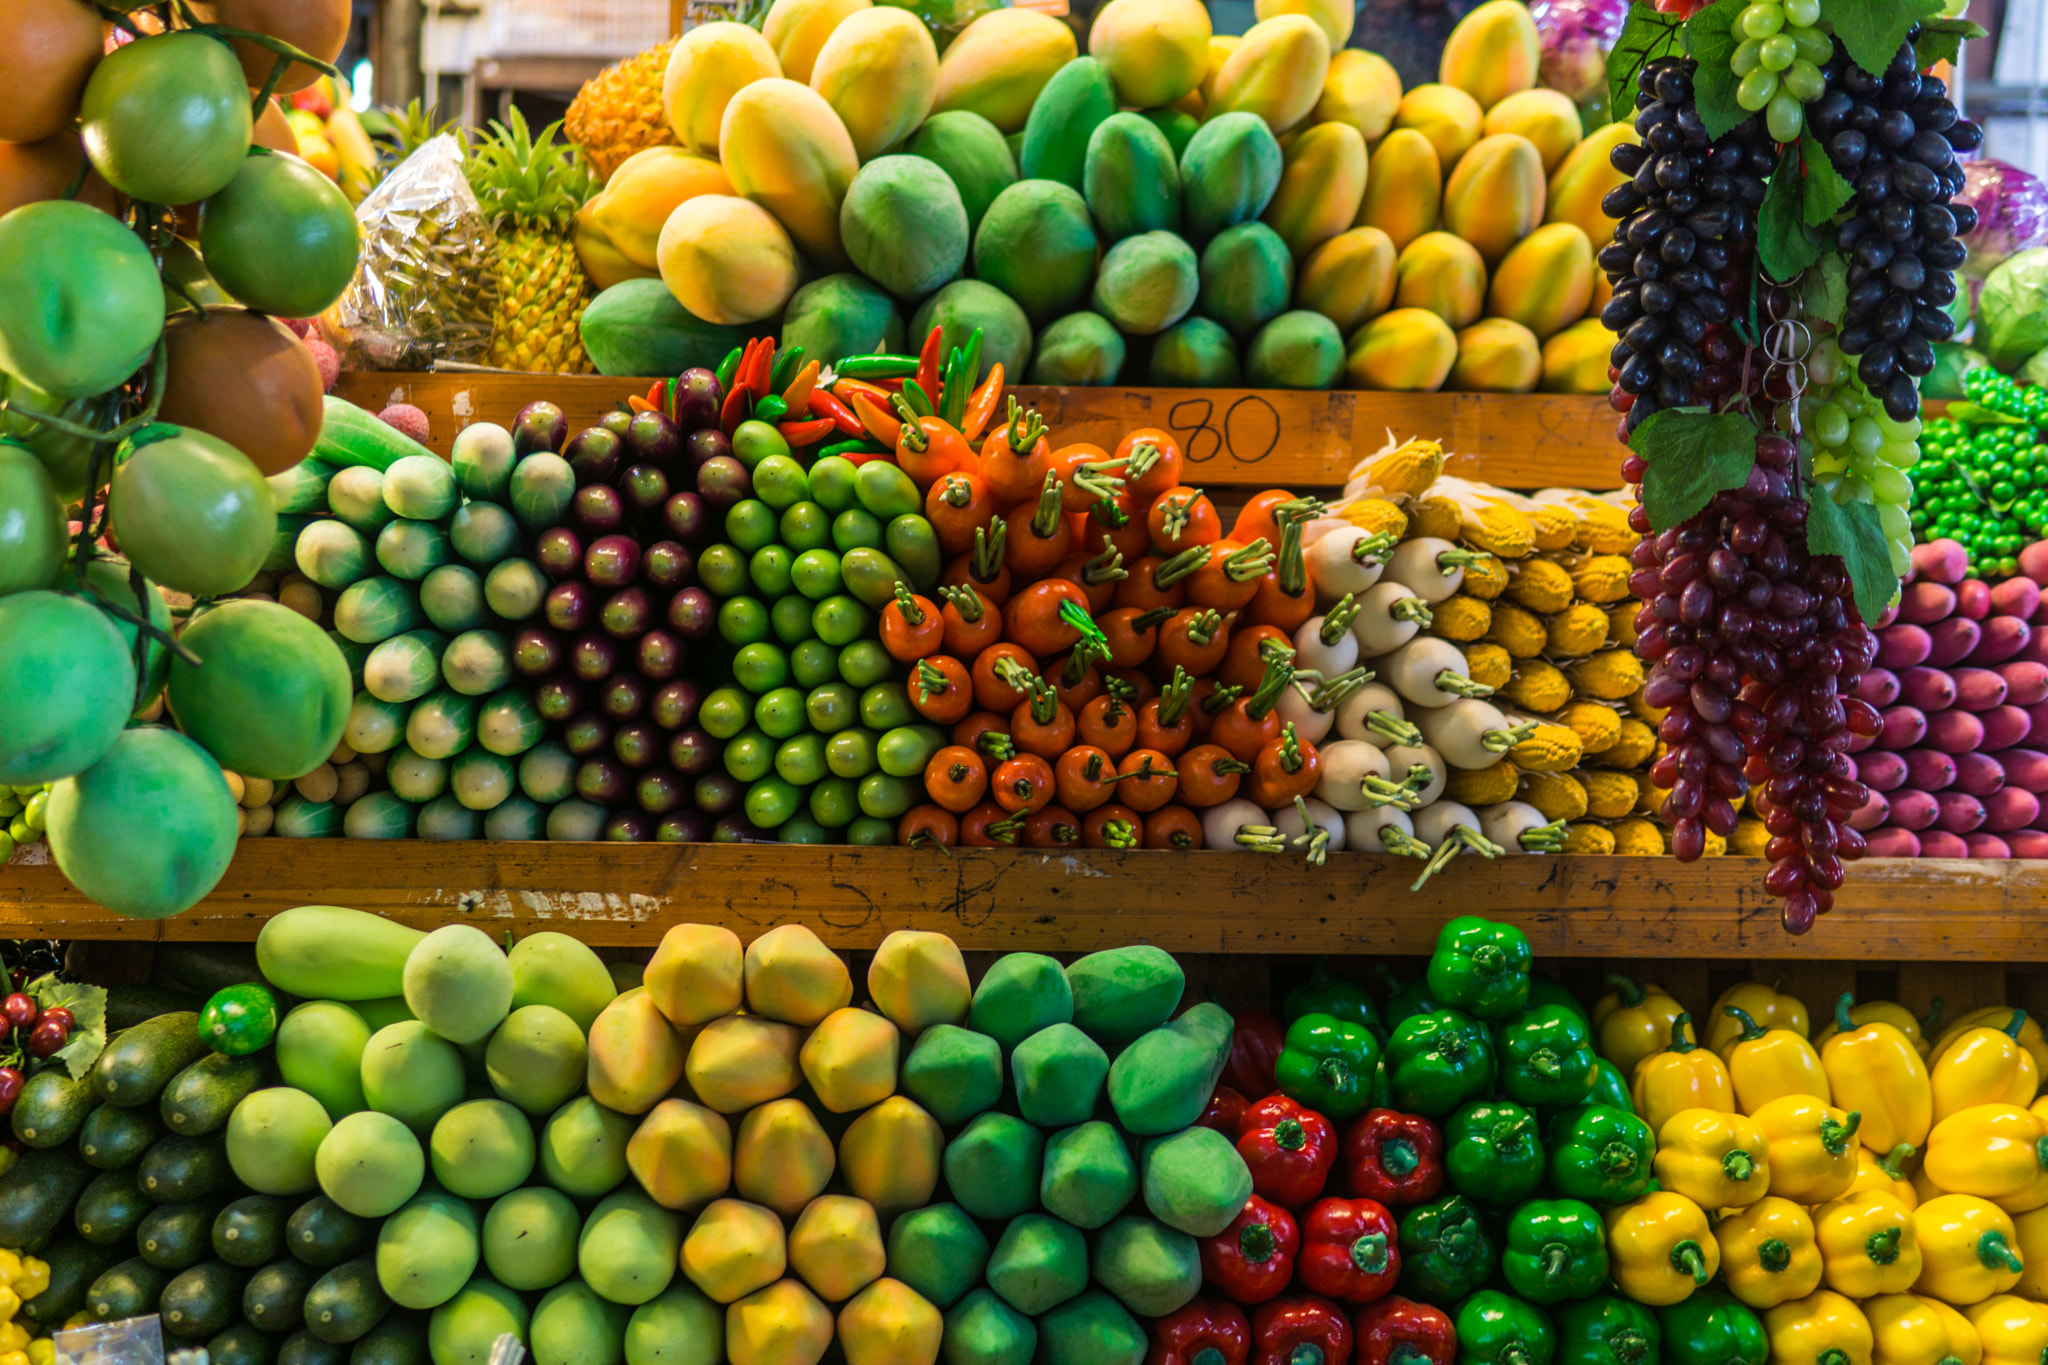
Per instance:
(981,404)
(879,424)
(798,394)
(823,404)
(806,433)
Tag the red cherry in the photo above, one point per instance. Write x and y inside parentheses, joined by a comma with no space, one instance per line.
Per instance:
(19,1010)
(10,1086)
(60,1014)
(47,1039)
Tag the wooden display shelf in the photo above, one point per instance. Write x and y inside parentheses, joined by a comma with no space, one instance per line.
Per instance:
(1231,437)
(619,894)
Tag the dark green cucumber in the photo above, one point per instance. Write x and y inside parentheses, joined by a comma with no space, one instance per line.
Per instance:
(111,1208)
(199,1099)
(303,1348)
(202,1300)
(140,1061)
(250,1231)
(203,968)
(74,1265)
(177,1236)
(37,1194)
(128,1290)
(401,1339)
(51,1107)
(113,1138)
(322,1233)
(128,1006)
(184,1168)
(346,1302)
(275,1297)
(243,1343)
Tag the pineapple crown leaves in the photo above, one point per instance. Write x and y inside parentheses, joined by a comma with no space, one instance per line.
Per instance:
(529,180)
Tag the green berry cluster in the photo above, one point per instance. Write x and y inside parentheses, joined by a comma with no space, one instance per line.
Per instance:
(2001,393)
(22,813)
(1984,486)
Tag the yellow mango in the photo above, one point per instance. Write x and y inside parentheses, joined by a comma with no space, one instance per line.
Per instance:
(1583,179)
(835,1246)
(1444,274)
(1497,356)
(1403,187)
(1545,280)
(1576,359)
(783,1324)
(727,260)
(878,71)
(1322,184)
(1276,72)
(794,977)
(796,29)
(733,1249)
(710,64)
(1155,51)
(1494,197)
(645,190)
(1494,52)
(602,260)
(850,1059)
(1221,45)
(1603,291)
(1000,62)
(743,1060)
(1451,119)
(889,1323)
(1548,118)
(636,1056)
(681,1154)
(1409,350)
(785,149)
(890,1155)
(782,1159)
(918,978)
(1333,17)
(1349,278)
(1361,89)
(696,973)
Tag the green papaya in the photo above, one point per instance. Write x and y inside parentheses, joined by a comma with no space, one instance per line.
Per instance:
(637,328)
(1080,348)
(1247,276)
(1037,245)
(1066,114)
(1194,353)
(964,305)
(970,150)
(841,315)
(903,225)
(1297,350)
(1132,178)
(1227,174)
(1147,283)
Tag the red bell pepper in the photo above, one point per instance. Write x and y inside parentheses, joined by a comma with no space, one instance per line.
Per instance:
(1289,1149)
(1396,1159)
(1255,1043)
(1226,1108)
(1253,1259)
(1398,1331)
(1302,1330)
(1350,1250)
(1205,1332)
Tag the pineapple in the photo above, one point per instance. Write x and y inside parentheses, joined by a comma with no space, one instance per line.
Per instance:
(531,189)
(408,132)
(619,111)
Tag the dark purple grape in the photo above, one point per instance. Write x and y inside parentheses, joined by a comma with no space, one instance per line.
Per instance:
(675,704)
(569,606)
(594,454)
(717,792)
(698,399)
(612,561)
(700,447)
(637,745)
(600,780)
(559,551)
(539,426)
(616,421)
(738,829)
(669,566)
(655,440)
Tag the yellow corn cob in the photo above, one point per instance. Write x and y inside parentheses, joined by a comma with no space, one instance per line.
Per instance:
(1638,839)
(1652,802)
(1538,686)
(1488,665)
(1598,727)
(1558,795)
(1634,745)
(1556,527)
(1621,623)
(1592,840)
(1488,517)
(1541,585)
(1609,794)
(1715,845)
(1643,711)
(1602,526)
(1610,676)
(1461,618)
(1485,579)
(1601,578)
(1397,470)
(1375,515)
(1551,749)
(1518,631)
(1578,630)
(1749,839)
(1483,786)
(1434,516)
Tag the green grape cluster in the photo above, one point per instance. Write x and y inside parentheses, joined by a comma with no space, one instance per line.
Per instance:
(1779,60)
(22,813)
(1985,486)
(1859,454)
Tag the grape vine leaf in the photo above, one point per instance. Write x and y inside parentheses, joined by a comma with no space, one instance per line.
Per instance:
(1872,30)
(1785,245)
(1826,193)
(1692,454)
(1646,35)
(88,1006)
(1825,290)
(1941,40)
(1851,530)
(1710,40)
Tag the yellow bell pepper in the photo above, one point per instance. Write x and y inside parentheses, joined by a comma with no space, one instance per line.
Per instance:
(1907,1329)
(918,978)
(1682,1076)
(792,976)
(1768,1253)
(1984,1065)
(1660,1248)
(1632,1021)
(33,1279)
(1767,1063)
(1884,1174)
(850,1059)
(733,1249)
(681,1154)
(1919,1029)
(1716,1160)
(1966,1249)
(782,1158)
(1866,1244)
(1874,1070)
(1812,1148)
(1994,1151)
(890,1155)
(2011,1330)
(889,1323)
(1995,1016)
(1963,1342)
(783,1324)
(1821,1329)
(835,1246)
(1767,1005)
(2030,1236)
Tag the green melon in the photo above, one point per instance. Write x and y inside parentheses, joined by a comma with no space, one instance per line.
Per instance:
(148,829)
(638,328)
(271,694)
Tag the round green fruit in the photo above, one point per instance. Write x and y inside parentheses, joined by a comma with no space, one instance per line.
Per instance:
(107,579)
(31,521)
(166,119)
(67,681)
(84,305)
(148,829)
(281,237)
(239,1020)
(271,693)
(191,511)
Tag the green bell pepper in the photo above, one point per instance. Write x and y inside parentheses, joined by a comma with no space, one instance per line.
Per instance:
(1548,990)
(1438,1061)
(1327,1064)
(1405,999)
(1481,966)
(1607,1330)
(1610,1088)
(1499,1329)
(1492,1153)
(1325,992)
(1546,1057)
(1556,1250)
(1711,1328)
(1445,1252)
(1601,1154)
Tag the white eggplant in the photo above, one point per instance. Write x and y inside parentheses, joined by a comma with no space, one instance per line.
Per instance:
(1298,832)
(1228,826)
(1519,827)
(1384,829)
(1404,759)
(1388,617)
(1450,829)
(1325,644)
(1470,733)
(1374,713)
(1429,567)
(1429,672)
(1345,765)
(1345,559)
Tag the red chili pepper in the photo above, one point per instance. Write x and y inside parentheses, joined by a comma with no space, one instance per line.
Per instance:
(1397,1331)
(657,396)
(760,365)
(1207,1331)
(1253,1259)
(824,404)
(981,404)
(739,406)
(1289,1148)
(1226,1106)
(1350,1250)
(1396,1159)
(1301,1330)
(928,360)
(1255,1044)
(800,434)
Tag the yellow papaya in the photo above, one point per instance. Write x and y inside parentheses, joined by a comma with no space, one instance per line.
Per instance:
(681,1154)
(1409,350)
(1583,179)
(1451,119)
(783,1324)
(781,1159)
(1221,45)
(792,976)
(850,1059)
(1322,184)
(602,260)
(890,1155)
(1000,62)
(1494,52)
(796,29)
(1276,71)
(1403,187)
(1494,196)
(733,1249)
(696,973)
(785,149)
(1349,278)
(727,260)
(1545,280)
(1496,356)
(1548,118)
(1334,17)
(1156,51)
(835,1246)
(1576,359)
(1361,89)
(879,71)
(918,978)
(635,1055)
(645,190)
(1444,274)
(889,1323)
(709,65)
(743,1060)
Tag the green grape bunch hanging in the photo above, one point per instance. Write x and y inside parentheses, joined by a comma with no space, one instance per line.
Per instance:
(1779,60)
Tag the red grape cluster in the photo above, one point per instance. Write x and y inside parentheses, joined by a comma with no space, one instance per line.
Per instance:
(32,1031)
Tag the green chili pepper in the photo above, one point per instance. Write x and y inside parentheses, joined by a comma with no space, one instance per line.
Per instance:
(1607,1330)
(1546,1057)
(1339,997)
(1438,1061)
(788,361)
(1556,1250)
(1601,1154)
(1445,1252)
(1481,966)
(879,366)
(1492,1152)
(728,367)
(1499,1329)
(770,409)
(1711,1328)
(1327,1064)
(920,402)
(859,445)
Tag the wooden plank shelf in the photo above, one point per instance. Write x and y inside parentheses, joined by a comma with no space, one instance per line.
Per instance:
(628,894)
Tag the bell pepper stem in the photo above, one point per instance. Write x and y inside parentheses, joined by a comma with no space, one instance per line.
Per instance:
(1834,1355)
(1307,1353)
(1544,1063)
(2013,1027)
(1751,1029)
(1369,1253)
(1514,1353)
(1995,1254)
(1630,1346)
(1740,1165)
(1688,1259)
(1398,1157)
(1680,1028)
(1844,1021)
(1893,1163)
(1208,1355)
(1629,993)
(1288,1135)
(1882,1246)
(1773,1255)
(1833,1136)
(1618,1158)
(1933,1015)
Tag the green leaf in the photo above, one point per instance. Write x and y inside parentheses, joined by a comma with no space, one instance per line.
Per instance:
(1825,289)
(1962,410)
(1645,36)
(1851,530)
(1710,40)
(1825,193)
(1872,30)
(1693,454)
(1784,244)
(88,1006)
(1941,40)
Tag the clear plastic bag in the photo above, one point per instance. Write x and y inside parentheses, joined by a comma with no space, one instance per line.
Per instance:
(131,1341)
(427,283)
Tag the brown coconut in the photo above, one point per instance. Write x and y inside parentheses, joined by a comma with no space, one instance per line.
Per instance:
(244,378)
(317,28)
(48,49)
(31,172)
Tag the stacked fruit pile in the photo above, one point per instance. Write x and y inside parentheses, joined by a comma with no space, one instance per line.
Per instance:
(1980,483)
